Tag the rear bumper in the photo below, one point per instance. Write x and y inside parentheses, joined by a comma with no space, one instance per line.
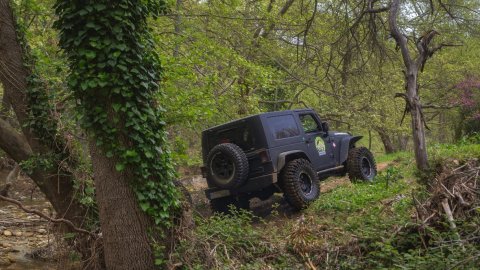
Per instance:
(253,184)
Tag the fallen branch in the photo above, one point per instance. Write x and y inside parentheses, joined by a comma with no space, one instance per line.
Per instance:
(451,221)
(42,215)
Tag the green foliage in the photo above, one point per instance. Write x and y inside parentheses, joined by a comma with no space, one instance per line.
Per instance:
(461,151)
(353,198)
(40,108)
(114,75)
(397,156)
(38,161)
(232,241)
(470,140)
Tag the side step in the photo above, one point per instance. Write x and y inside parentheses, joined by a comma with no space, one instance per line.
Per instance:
(330,171)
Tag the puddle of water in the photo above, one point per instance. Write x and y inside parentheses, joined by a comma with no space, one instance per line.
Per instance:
(22,262)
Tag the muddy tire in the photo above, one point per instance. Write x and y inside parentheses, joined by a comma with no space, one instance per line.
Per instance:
(224,205)
(227,166)
(300,183)
(361,165)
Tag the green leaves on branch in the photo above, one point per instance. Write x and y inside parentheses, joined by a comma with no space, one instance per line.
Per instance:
(114,75)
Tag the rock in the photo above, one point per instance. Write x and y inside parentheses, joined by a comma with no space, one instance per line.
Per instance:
(7,233)
(28,234)
(17,233)
(5,261)
(42,231)
(12,258)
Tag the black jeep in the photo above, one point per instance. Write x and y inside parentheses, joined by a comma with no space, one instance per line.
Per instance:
(286,151)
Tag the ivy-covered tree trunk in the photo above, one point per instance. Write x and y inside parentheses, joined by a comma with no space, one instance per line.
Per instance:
(114,74)
(38,141)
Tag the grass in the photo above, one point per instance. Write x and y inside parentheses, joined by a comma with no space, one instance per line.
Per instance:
(354,226)
(439,152)
(393,156)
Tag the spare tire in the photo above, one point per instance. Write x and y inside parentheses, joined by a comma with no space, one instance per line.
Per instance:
(227,166)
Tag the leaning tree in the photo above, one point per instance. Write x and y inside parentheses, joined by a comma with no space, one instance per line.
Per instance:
(37,143)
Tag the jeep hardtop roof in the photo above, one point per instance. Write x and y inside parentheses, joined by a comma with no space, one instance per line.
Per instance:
(248,118)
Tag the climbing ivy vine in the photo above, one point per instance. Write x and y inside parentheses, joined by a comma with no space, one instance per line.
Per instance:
(40,109)
(114,75)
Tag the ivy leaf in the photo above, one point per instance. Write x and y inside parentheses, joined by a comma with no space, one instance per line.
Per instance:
(120,167)
(116,106)
(144,206)
(90,54)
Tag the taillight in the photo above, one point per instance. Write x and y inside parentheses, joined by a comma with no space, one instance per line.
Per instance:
(264,158)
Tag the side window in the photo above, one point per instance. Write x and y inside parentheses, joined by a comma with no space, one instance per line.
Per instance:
(308,123)
(283,126)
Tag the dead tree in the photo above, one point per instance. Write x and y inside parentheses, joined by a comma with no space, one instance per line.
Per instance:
(414,62)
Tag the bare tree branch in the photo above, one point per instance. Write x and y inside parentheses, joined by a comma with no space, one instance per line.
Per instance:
(42,215)
(396,34)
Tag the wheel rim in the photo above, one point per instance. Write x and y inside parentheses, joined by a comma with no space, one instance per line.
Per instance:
(366,167)
(222,167)
(305,183)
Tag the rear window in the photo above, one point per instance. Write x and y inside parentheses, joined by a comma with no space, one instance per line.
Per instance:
(283,126)
(240,135)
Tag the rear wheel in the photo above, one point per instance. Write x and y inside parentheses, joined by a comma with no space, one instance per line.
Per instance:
(300,183)
(361,165)
(227,166)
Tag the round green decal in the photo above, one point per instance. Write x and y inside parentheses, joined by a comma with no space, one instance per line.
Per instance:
(320,145)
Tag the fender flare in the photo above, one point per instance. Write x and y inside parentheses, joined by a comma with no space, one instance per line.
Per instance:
(282,157)
(345,145)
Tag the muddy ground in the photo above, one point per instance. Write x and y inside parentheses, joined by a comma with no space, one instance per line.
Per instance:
(27,241)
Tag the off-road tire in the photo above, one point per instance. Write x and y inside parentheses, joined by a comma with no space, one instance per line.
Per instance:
(292,178)
(356,165)
(236,164)
(223,205)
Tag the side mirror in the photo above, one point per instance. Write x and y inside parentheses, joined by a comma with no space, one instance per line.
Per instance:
(325,127)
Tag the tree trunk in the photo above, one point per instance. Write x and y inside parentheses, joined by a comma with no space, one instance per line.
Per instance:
(418,126)
(387,142)
(411,96)
(56,183)
(124,225)
(178,25)
(442,131)
(11,177)
(402,142)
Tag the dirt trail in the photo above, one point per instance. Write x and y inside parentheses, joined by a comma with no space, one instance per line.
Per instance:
(196,186)
(334,182)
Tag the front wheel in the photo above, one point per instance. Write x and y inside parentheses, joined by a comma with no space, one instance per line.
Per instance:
(361,165)
(300,183)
